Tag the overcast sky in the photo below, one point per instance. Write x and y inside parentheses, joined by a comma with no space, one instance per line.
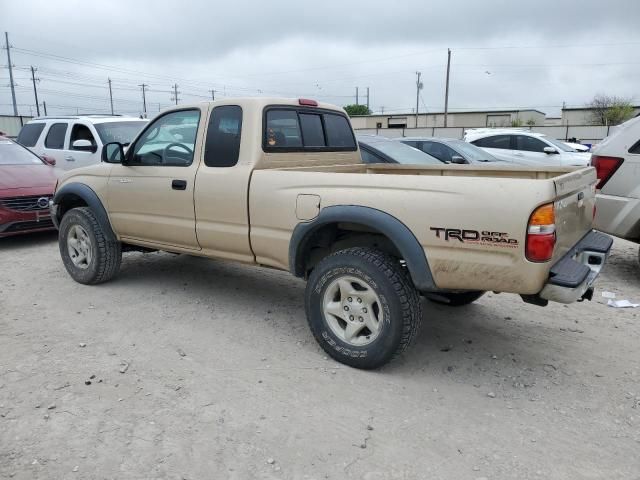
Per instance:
(504,53)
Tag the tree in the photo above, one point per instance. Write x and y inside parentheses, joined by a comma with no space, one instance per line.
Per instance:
(353,110)
(516,122)
(531,122)
(610,110)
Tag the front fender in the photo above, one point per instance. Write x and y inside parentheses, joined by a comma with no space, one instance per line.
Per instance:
(68,195)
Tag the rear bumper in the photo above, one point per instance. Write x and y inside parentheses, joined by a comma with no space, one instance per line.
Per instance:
(572,277)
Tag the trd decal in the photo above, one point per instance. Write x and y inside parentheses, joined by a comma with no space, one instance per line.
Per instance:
(484,237)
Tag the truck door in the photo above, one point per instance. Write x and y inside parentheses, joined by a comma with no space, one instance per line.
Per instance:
(222,187)
(150,197)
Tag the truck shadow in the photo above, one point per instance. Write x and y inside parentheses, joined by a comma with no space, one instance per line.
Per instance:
(29,240)
(491,334)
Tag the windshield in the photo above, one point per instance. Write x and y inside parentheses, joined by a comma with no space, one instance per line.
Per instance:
(122,132)
(13,154)
(471,152)
(400,152)
(561,145)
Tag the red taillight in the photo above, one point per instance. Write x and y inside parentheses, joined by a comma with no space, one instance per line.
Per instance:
(541,234)
(605,168)
(307,102)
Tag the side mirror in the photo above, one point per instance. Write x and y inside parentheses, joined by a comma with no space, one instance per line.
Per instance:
(48,160)
(112,152)
(84,146)
(550,150)
(457,159)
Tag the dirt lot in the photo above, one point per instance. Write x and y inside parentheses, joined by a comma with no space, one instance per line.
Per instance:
(197,369)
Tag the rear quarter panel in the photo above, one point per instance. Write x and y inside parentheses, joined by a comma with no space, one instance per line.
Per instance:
(498,206)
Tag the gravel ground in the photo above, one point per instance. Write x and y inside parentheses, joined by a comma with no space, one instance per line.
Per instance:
(186,368)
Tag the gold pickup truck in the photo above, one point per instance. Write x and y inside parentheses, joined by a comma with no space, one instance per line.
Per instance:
(280,183)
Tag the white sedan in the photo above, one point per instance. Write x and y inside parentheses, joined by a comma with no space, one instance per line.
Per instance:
(533,147)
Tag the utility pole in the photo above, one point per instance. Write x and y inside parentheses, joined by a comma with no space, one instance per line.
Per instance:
(35,90)
(418,88)
(175,93)
(144,99)
(446,90)
(367,98)
(13,87)
(357,96)
(213,94)
(44,106)
(110,95)
(381,110)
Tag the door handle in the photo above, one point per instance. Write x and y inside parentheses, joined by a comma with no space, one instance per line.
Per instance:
(69,158)
(179,184)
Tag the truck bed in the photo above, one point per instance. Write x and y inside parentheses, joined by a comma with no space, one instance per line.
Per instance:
(488,170)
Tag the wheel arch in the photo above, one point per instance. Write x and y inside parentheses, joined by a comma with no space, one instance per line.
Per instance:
(322,233)
(74,195)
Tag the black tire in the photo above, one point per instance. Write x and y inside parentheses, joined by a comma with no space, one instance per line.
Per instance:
(105,255)
(399,303)
(458,299)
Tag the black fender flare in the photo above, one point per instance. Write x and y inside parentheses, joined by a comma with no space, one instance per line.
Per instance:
(91,199)
(396,231)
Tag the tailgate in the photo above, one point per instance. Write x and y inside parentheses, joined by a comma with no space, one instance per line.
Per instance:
(574,203)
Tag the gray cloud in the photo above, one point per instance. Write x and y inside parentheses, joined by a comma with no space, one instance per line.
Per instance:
(326,49)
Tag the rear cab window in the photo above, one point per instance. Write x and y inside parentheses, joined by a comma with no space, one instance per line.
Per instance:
(30,133)
(289,128)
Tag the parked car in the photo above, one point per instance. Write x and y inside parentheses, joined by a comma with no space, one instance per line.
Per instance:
(280,183)
(505,144)
(449,150)
(617,162)
(377,149)
(578,147)
(76,141)
(26,185)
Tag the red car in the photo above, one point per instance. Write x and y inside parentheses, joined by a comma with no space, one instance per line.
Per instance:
(26,185)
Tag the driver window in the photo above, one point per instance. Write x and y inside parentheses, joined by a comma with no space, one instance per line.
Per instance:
(81,132)
(169,141)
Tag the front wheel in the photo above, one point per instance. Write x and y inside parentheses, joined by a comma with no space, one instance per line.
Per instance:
(362,307)
(87,254)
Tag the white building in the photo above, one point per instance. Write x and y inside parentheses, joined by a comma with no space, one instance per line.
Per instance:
(471,119)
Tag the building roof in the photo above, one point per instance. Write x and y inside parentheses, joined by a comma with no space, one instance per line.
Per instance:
(590,108)
(412,114)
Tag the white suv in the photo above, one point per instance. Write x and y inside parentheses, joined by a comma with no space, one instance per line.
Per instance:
(505,144)
(617,161)
(77,141)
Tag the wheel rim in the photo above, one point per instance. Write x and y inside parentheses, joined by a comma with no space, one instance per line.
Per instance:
(352,310)
(79,246)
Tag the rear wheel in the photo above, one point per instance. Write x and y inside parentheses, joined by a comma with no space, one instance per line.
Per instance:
(362,307)
(86,253)
(457,299)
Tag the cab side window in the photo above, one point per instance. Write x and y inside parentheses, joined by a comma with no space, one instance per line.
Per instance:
(438,150)
(222,148)
(495,141)
(81,132)
(369,157)
(55,136)
(169,141)
(529,144)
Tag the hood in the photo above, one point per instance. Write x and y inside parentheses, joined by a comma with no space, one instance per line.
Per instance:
(576,158)
(26,176)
